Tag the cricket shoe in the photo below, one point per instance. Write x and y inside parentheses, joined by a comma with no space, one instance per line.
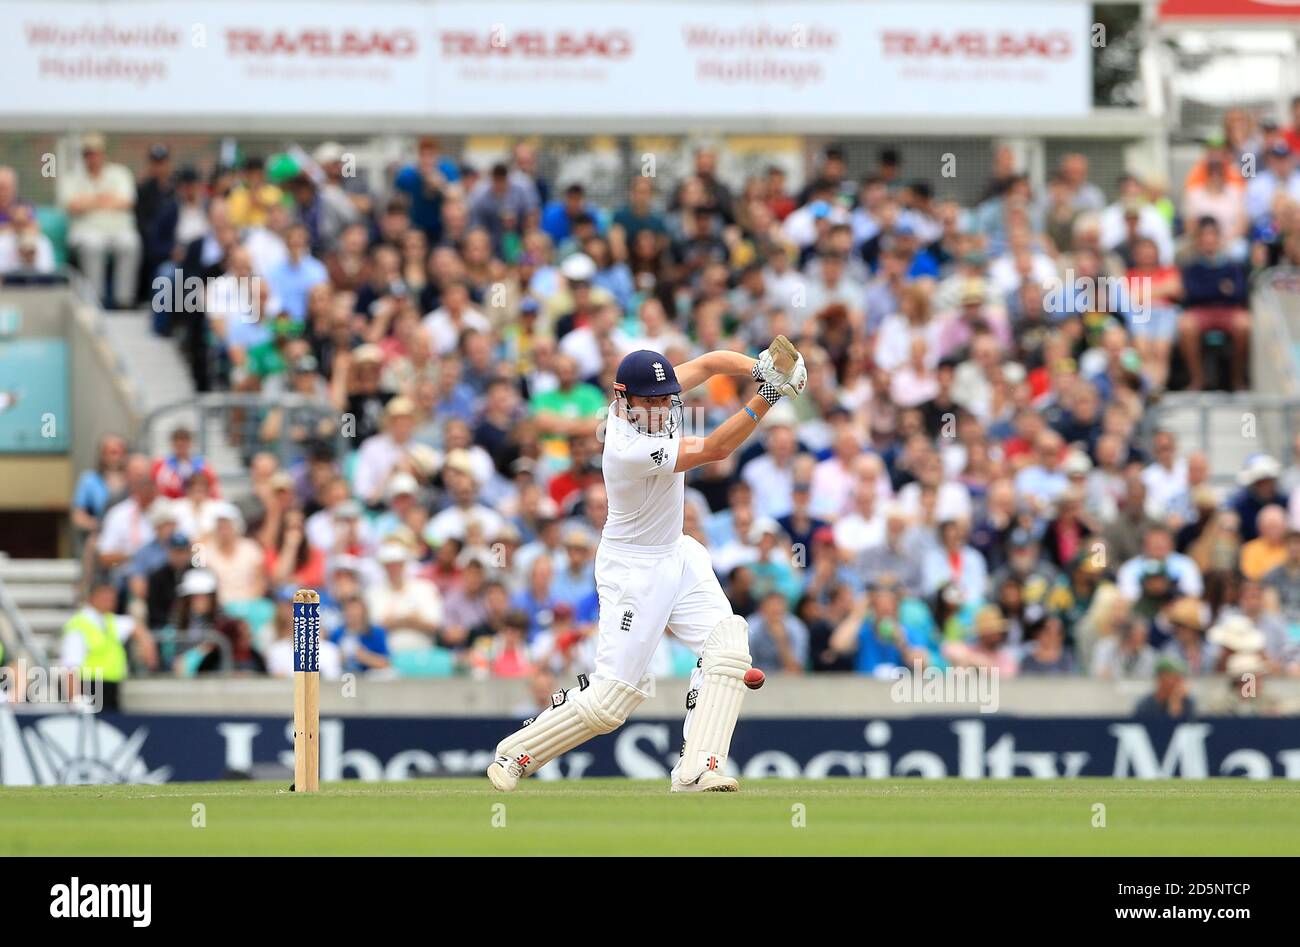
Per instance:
(707,781)
(504,773)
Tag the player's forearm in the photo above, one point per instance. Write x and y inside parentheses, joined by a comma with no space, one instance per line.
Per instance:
(725,362)
(733,432)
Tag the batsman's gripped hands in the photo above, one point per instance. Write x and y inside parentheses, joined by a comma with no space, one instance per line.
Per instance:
(782,367)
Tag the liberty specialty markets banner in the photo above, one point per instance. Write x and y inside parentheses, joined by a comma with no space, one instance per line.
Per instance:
(51,749)
(525,60)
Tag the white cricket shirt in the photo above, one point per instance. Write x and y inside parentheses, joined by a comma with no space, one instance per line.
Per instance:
(646,497)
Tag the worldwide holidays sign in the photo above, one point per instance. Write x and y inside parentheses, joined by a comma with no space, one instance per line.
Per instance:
(663,59)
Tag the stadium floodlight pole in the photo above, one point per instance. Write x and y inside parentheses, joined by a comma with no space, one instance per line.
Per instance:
(306,691)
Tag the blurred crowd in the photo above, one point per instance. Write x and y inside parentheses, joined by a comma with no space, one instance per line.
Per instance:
(964,482)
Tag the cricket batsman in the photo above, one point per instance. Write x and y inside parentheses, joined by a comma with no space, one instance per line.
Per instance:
(650,576)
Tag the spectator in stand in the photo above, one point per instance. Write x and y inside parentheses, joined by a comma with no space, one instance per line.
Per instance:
(292,280)
(1284,582)
(182,220)
(126,527)
(464,516)
(954,562)
(1153,316)
(1267,550)
(100,488)
(1220,201)
(987,647)
(99,199)
(10,202)
(1158,549)
(1184,633)
(384,454)
(1278,179)
(1133,208)
(638,215)
(363,646)
(455,316)
(771,475)
(237,561)
(171,472)
(1215,294)
(778,640)
(344,201)
(161,585)
(1086,196)
(1170,700)
(501,204)
(252,198)
(408,607)
(1166,476)
(426,184)
(559,217)
(155,200)
(1125,654)
(195,514)
(886,630)
(1258,481)
(1047,652)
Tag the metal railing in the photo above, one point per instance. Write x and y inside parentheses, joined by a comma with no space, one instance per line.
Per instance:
(16,633)
(228,431)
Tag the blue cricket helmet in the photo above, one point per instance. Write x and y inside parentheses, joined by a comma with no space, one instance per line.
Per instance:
(647,374)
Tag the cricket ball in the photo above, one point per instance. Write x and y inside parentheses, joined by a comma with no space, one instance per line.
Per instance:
(754,679)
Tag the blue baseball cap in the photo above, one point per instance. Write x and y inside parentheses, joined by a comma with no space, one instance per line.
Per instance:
(647,374)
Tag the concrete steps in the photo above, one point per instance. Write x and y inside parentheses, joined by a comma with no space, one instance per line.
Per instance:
(1227,428)
(155,365)
(45,592)
(160,374)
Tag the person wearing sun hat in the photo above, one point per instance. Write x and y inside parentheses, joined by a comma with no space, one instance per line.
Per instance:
(1259,485)
(401,494)
(1236,635)
(466,511)
(237,560)
(99,198)
(408,607)
(1246,693)
(357,388)
(1183,624)
(385,454)
(986,646)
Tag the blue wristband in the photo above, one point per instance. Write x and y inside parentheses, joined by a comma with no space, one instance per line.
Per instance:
(750,412)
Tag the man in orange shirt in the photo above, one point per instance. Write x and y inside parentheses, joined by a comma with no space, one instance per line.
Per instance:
(1261,556)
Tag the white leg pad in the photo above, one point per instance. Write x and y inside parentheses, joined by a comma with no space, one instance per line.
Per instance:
(723,663)
(574,717)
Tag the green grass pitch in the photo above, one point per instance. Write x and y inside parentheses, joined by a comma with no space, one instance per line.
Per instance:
(624,817)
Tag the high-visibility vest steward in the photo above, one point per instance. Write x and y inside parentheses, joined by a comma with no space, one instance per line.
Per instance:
(104,651)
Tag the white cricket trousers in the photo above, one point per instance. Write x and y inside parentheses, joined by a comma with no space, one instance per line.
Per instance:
(645,589)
